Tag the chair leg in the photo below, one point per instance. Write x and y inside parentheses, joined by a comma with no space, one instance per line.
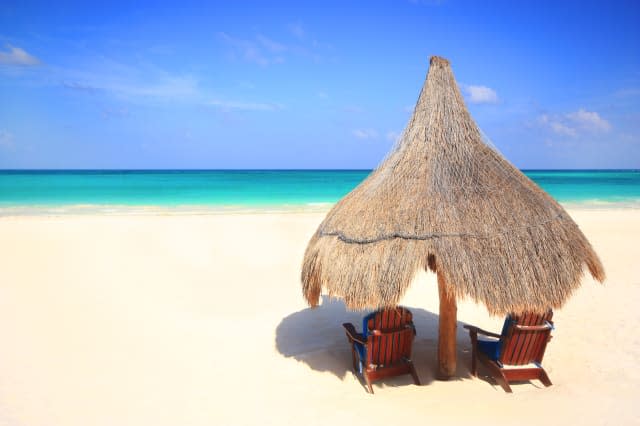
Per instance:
(474,353)
(497,374)
(354,359)
(474,363)
(504,383)
(366,379)
(414,374)
(544,378)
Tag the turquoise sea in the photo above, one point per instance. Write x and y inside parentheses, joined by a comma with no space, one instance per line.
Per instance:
(59,192)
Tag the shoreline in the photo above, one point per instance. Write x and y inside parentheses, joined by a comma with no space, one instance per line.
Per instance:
(225,209)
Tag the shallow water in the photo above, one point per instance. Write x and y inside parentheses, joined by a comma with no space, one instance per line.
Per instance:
(200,191)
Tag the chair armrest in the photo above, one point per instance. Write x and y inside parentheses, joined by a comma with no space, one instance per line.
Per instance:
(476,330)
(353,335)
(533,327)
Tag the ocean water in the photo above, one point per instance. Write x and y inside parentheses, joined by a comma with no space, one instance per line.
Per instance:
(33,192)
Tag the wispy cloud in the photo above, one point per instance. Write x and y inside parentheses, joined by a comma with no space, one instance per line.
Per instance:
(556,125)
(271,45)
(82,87)
(91,73)
(354,109)
(480,94)
(261,50)
(16,56)
(365,134)
(6,140)
(628,92)
(297,30)
(393,136)
(428,2)
(109,113)
(245,106)
(131,82)
(574,123)
(264,51)
(589,120)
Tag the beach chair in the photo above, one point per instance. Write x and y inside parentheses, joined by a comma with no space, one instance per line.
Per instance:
(384,347)
(516,353)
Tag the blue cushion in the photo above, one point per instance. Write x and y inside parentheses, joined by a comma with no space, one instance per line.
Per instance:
(361,350)
(505,327)
(365,320)
(491,348)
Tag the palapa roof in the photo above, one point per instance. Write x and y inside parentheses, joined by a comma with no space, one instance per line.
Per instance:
(445,200)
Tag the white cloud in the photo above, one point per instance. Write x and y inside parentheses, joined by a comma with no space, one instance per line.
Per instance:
(393,136)
(589,120)
(323,95)
(17,56)
(6,140)
(556,125)
(365,134)
(574,123)
(245,106)
(480,94)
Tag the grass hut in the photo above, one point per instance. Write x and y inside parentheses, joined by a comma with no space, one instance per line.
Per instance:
(446,201)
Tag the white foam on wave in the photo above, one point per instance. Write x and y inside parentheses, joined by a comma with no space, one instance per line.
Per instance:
(135,210)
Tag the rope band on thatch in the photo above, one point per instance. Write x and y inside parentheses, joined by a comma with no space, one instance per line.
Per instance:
(429,236)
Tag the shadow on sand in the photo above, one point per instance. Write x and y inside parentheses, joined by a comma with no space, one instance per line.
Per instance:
(315,336)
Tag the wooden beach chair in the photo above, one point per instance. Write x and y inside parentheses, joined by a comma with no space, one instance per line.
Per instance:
(516,353)
(384,347)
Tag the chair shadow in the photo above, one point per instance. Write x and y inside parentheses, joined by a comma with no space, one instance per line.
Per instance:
(315,336)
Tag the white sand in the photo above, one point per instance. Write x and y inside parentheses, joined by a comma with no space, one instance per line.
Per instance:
(199,320)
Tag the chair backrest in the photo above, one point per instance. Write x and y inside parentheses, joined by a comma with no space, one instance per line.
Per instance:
(390,334)
(524,338)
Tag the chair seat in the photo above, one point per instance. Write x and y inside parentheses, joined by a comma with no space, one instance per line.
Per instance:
(491,348)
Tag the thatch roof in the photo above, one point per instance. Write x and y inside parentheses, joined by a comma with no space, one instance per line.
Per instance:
(445,200)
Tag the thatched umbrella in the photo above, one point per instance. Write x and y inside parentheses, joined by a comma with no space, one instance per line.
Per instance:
(444,200)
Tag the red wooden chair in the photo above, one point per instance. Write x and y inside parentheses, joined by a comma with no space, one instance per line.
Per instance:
(518,351)
(384,347)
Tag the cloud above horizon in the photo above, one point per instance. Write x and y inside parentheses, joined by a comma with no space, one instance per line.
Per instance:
(18,57)
(365,134)
(297,30)
(6,140)
(573,123)
(245,106)
(480,94)
(261,50)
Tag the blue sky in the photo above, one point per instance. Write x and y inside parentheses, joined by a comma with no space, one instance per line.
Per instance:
(310,84)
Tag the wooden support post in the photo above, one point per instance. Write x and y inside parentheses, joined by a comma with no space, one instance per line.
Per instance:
(447,331)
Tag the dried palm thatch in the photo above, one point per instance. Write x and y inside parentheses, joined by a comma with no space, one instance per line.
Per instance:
(445,200)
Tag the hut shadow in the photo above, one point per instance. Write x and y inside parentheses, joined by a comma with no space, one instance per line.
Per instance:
(315,336)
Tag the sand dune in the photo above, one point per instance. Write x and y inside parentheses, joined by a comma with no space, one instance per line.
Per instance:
(199,320)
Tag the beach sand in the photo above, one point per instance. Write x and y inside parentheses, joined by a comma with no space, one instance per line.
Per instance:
(199,320)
